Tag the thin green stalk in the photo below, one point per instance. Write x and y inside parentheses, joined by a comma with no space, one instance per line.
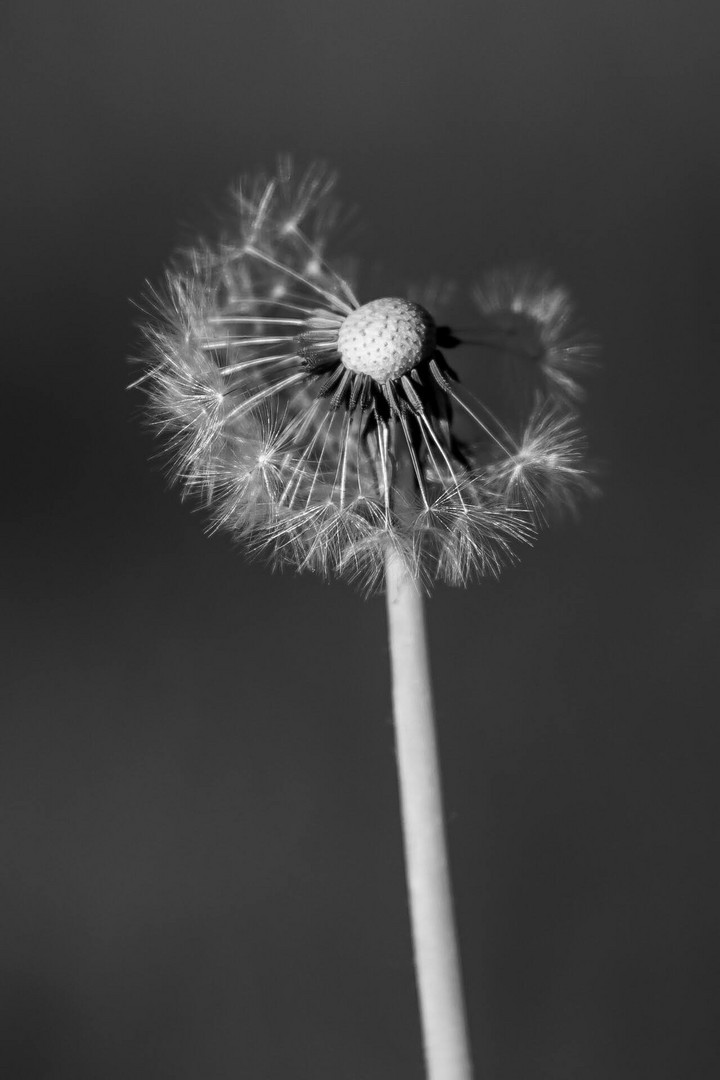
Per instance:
(437,964)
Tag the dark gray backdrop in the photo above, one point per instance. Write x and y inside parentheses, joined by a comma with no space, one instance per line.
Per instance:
(201,862)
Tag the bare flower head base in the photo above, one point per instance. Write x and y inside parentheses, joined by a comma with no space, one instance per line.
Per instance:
(333,433)
(327,430)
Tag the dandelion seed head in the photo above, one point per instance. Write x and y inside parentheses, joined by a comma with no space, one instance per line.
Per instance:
(323,430)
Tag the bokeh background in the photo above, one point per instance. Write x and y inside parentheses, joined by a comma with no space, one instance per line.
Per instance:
(201,856)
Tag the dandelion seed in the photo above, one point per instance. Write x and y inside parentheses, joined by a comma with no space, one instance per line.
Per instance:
(549,470)
(325,430)
(529,315)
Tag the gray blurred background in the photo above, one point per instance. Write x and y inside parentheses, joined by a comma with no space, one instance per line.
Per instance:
(201,853)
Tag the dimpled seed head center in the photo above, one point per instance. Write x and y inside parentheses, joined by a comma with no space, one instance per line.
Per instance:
(386,338)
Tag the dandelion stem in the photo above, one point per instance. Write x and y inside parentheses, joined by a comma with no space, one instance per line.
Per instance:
(437,964)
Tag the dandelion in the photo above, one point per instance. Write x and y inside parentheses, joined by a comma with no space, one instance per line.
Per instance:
(333,433)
